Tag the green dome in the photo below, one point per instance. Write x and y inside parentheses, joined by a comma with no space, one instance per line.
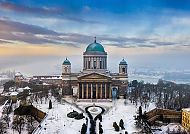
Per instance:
(95,47)
(66,62)
(123,62)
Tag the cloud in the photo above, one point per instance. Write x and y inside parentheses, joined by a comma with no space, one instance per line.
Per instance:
(15,31)
(56,12)
(25,9)
(161,43)
(12,26)
(4,41)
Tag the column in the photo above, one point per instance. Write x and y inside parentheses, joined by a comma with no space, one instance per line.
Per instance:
(105,63)
(87,90)
(82,91)
(87,63)
(110,91)
(105,90)
(102,63)
(84,62)
(91,92)
(96,91)
(101,91)
(78,90)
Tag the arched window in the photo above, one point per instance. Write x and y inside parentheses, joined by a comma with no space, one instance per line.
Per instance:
(123,70)
(65,69)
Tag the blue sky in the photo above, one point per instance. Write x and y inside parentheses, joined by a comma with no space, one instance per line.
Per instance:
(151,28)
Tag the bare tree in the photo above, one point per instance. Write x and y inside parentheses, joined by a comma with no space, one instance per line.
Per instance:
(18,123)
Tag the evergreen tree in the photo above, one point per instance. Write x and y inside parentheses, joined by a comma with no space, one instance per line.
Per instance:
(116,127)
(121,124)
(140,111)
(50,104)
(84,129)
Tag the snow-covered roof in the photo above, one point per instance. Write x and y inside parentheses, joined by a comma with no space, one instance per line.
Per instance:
(187,109)
(14,93)
(48,77)
(18,74)
(45,83)
(27,88)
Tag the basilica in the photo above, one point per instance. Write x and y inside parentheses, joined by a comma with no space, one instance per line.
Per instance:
(95,81)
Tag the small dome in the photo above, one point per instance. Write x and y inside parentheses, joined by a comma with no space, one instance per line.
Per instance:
(66,62)
(95,47)
(123,62)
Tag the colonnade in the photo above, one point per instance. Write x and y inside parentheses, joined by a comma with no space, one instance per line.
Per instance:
(95,62)
(94,90)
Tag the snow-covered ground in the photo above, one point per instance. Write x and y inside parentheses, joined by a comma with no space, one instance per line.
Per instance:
(121,111)
(57,121)
(115,111)
(172,127)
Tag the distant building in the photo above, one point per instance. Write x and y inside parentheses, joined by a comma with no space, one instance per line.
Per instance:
(186,118)
(18,79)
(94,81)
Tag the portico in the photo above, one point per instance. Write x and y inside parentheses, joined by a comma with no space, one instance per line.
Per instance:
(94,86)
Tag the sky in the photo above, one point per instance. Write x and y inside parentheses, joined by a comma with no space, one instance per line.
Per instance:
(151,34)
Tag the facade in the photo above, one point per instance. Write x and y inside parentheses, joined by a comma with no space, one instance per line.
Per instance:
(186,118)
(94,81)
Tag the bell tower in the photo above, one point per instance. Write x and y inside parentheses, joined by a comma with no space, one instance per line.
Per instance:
(123,67)
(66,67)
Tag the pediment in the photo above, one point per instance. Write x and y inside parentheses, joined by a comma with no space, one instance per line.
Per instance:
(94,76)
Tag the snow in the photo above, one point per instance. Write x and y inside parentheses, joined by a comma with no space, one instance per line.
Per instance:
(121,111)
(57,120)
(187,109)
(20,90)
(115,111)
(26,88)
(18,74)
(94,110)
(1,108)
(172,127)
(14,93)
(45,83)
(48,77)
